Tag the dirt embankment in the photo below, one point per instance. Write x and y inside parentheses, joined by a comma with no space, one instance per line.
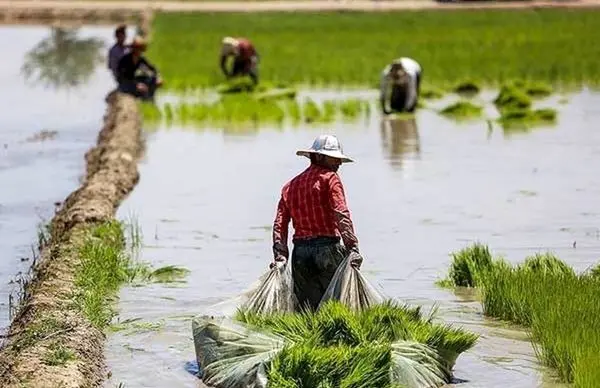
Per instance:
(48,322)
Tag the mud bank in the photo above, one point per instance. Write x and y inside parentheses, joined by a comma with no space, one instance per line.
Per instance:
(49,315)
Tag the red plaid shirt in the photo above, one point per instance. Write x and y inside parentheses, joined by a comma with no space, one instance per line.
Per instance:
(316,204)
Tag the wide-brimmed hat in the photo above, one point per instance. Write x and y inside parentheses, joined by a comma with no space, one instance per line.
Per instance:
(138,41)
(327,145)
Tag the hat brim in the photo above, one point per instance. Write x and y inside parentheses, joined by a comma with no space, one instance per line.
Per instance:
(333,154)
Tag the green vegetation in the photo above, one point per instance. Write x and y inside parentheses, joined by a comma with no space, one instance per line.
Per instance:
(514,103)
(381,345)
(554,46)
(467,88)
(58,355)
(104,267)
(559,306)
(526,118)
(462,110)
(246,108)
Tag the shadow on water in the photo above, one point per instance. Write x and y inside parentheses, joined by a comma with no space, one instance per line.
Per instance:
(63,59)
(53,104)
(400,139)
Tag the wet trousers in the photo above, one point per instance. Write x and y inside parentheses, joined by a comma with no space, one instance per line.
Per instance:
(314,263)
(245,67)
(400,94)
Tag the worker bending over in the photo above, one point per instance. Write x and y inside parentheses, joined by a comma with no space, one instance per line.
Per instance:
(315,202)
(400,86)
(245,58)
(135,74)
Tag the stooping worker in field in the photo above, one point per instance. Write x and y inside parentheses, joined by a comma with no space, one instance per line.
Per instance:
(245,58)
(118,50)
(135,74)
(400,86)
(315,202)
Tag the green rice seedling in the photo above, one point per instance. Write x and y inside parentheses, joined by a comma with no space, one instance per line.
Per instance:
(150,112)
(559,307)
(168,108)
(512,98)
(535,89)
(338,325)
(547,264)
(467,88)
(311,111)
(431,93)
(487,46)
(351,108)
(329,111)
(595,272)
(462,110)
(468,264)
(516,118)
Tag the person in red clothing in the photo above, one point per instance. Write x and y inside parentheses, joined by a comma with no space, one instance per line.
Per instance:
(245,56)
(315,202)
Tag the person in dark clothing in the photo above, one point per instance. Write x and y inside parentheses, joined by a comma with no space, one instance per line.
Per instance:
(245,56)
(136,75)
(400,86)
(117,51)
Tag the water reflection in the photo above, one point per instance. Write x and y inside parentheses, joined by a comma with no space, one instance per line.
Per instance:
(400,139)
(62,59)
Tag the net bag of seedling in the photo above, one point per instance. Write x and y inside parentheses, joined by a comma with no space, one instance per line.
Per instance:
(350,287)
(274,293)
(231,355)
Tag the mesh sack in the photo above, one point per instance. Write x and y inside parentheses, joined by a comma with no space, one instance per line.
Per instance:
(351,288)
(274,293)
(231,355)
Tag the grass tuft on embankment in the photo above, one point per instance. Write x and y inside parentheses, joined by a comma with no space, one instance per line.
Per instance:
(559,306)
(105,266)
(351,349)
(487,47)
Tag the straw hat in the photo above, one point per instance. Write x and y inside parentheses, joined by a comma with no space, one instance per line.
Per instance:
(140,42)
(327,145)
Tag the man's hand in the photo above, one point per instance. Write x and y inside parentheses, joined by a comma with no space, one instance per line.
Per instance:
(141,87)
(278,259)
(355,258)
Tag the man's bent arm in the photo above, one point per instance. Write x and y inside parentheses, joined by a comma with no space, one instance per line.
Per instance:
(340,208)
(280,230)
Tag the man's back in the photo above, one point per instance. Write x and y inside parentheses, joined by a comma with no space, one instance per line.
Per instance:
(308,198)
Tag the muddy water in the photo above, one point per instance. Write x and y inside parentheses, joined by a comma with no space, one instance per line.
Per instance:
(44,133)
(419,190)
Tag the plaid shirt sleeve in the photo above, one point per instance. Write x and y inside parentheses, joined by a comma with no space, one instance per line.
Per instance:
(281,227)
(340,208)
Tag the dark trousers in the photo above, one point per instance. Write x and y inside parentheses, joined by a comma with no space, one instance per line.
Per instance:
(245,67)
(399,94)
(130,87)
(314,263)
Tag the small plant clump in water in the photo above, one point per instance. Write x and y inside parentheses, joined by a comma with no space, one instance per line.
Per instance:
(346,348)
(559,307)
(467,88)
(462,110)
(527,118)
(430,93)
(511,97)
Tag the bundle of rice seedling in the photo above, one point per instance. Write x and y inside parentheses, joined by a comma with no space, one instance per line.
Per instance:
(381,346)
(468,265)
(546,264)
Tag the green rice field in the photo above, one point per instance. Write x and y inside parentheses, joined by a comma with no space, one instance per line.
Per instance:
(560,307)
(351,48)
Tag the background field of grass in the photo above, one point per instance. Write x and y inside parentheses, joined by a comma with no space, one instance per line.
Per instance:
(487,46)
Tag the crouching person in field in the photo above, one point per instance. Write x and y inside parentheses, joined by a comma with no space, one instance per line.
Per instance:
(136,75)
(315,202)
(400,86)
(245,58)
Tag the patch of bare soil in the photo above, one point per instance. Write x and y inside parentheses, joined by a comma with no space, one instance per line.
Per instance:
(50,343)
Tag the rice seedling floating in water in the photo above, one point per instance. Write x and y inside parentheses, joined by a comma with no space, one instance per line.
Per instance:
(534,89)
(467,88)
(462,110)
(527,118)
(469,264)
(558,306)
(382,345)
(431,93)
(511,97)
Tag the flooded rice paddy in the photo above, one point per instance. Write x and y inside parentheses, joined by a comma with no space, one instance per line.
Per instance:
(418,190)
(45,129)
(206,200)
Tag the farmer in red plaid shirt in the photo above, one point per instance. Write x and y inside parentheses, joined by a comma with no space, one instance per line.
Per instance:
(316,204)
